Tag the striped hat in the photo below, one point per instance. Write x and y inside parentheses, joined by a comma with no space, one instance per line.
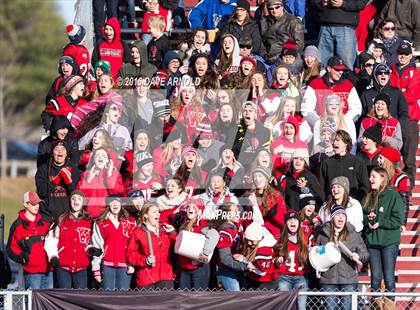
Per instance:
(204,129)
(76,33)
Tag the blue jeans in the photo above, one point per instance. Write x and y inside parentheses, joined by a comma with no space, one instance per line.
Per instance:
(115,278)
(195,279)
(288,283)
(66,279)
(38,280)
(131,10)
(231,280)
(338,302)
(382,266)
(338,41)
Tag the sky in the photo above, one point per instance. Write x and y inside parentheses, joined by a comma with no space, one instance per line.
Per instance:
(66,9)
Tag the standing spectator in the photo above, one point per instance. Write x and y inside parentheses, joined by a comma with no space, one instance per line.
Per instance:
(242,24)
(366,62)
(406,77)
(172,199)
(198,45)
(337,36)
(405,13)
(296,7)
(111,232)
(384,216)
(110,47)
(67,244)
(342,276)
(344,164)
(26,244)
(312,66)
(154,8)
(370,146)
(66,66)
(386,31)
(228,60)
(76,49)
(99,13)
(56,180)
(211,14)
(148,250)
(159,45)
(277,28)
(332,82)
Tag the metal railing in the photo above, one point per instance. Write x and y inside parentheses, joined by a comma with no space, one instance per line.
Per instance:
(16,300)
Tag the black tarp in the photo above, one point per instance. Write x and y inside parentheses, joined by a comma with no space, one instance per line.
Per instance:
(117,300)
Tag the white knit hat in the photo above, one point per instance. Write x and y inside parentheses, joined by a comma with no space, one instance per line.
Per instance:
(301,153)
(187,83)
(254,232)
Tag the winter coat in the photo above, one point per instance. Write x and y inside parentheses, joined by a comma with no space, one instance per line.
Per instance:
(26,243)
(354,214)
(208,14)
(45,146)
(390,216)
(251,29)
(159,132)
(58,82)
(391,130)
(130,70)
(346,15)
(156,50)
(115,52)
(345,271)
(80,54)
(138,250)
(276,31)
(349,166)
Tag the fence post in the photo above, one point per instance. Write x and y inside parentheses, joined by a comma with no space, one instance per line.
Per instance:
(353,301)
(8,301)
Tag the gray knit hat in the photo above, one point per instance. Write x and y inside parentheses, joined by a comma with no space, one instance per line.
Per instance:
(263,170)
(342,181)
(312,50)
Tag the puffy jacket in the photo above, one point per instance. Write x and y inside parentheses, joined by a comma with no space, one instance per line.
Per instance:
(251,29)
(26,243)
(390,216)
(345,271)
(276,31)
(408,81)
(138,250)
(391,130)
(112,51)
(346,15)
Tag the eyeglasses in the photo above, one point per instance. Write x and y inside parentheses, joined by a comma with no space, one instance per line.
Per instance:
(274,7)
(245,46)
(389,28)
(369,65)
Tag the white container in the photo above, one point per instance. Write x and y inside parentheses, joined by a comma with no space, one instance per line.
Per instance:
(323,257)
(190,244)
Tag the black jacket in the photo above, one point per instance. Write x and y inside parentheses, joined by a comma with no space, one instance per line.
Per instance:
(292,191)
(55,196)
(346,15)
(250,29)
(349,166)
(45,146)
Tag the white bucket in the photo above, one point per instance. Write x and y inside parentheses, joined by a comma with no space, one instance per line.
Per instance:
(324,256)
(190,244)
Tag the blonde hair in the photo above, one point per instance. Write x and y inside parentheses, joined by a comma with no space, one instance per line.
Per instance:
(157,21)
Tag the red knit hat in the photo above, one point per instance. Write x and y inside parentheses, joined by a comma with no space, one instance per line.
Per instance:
(289,47)
(250,59)
(188,149)
(391,154)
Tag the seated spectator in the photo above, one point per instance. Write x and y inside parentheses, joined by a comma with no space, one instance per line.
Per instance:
(406,77)
(111,48)
(60,130)
(377,50)
(251,135)
(332,82)
(386,31)
(339,164)
(198,45)
(391,128)
(299,180)
(171,200)
(407,20)
(242,24)
(72,97)
(100,180)
(335,118)
(211,14)
(339,230)
(76,49)
(159,45)
(228,60)
(56,180)
(276,28)
(139,66)
(339,196)
(66,66)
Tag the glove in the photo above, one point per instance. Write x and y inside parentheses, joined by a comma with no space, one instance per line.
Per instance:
(57,179)
(25,245)
(65,174)
(24,258)
(92,251)
(54,262)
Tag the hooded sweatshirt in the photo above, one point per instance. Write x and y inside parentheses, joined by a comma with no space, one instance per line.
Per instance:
(131,70)
(112,51)
(236,58)
(58,82)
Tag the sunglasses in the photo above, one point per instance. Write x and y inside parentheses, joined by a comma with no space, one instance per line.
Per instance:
(383,73)
(389,28)
(369,65)
(274,8)
(245,46)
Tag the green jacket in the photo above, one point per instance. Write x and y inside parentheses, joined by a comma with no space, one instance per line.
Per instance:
(390,216)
